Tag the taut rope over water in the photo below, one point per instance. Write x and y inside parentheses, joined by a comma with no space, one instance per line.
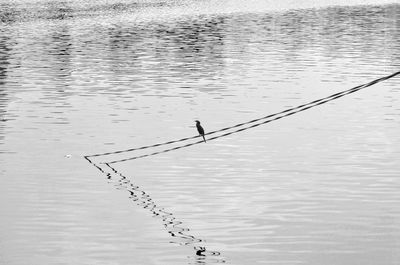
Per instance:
(251,124)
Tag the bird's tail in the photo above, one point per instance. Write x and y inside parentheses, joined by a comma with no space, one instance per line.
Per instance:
(204,138)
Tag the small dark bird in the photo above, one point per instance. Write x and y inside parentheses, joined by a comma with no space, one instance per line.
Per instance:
(200,130)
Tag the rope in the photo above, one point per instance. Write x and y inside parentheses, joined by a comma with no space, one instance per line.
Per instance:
(275,116)
(174,227)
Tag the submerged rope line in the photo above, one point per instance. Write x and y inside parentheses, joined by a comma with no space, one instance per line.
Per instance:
(175,228)
(286,113)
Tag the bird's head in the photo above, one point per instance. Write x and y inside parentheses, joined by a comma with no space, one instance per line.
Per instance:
(197,122)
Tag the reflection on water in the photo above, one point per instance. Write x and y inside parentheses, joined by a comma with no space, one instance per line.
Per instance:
(181,235)
(5,48)
(84,77)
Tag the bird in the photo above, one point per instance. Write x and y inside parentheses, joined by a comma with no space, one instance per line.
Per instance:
(200,129)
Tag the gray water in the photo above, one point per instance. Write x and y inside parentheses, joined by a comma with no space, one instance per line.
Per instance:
(85,77)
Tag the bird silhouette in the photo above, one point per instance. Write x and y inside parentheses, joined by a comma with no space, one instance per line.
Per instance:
(200,129)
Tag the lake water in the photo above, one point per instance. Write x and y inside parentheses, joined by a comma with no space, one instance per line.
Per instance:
(86,77)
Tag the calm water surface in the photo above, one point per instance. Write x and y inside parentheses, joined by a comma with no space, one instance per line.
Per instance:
(85,77)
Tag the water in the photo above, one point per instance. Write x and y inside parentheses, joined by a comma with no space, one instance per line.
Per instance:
(318,187)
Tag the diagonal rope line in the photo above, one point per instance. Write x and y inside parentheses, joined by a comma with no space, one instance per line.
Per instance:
(287,112)
(212,132)
(157,153)
(229,133)
(176,229)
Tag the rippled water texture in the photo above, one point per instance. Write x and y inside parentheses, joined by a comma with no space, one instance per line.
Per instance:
(85,77)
